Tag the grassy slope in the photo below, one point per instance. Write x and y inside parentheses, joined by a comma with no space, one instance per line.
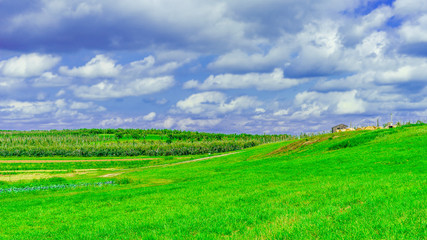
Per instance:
(374,188)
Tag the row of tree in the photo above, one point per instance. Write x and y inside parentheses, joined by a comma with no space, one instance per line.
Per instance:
(124,142)
(127,149)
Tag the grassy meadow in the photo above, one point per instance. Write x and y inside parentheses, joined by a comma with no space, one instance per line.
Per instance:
(350,185)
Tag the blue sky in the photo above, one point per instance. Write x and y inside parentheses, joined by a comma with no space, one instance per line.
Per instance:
(271,66)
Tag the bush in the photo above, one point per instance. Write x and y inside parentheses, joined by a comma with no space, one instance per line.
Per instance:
(123,181)
(135,135)
(119,135)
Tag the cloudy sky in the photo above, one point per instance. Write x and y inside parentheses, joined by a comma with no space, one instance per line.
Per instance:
(270,66)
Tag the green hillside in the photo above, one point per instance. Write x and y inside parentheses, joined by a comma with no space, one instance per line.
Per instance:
(351,185)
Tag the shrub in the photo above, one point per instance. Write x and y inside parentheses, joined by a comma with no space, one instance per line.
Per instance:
(119,135)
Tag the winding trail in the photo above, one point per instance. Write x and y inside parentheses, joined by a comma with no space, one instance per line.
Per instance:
(121,171)
(165,165)
(190,161)
(104,160)
(111,174)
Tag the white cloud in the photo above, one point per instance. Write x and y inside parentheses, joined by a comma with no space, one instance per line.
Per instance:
(148,66)
(191,84)
(409,7)
(41,96)
(260,81)
(162,101)
(214,103)
(169,122)
(149,117)
(178,55)
(114,122)
(322,36)
(28,65)
(281,112)
(348,103)
(200,102)
(402,70)
(85,9)
(415,31)
(52,13)
(259,110)
(99,66)
(26,109)
(356,81)
(318,49)
(421,115)
(136,78)
(49,110)
(49,79)
(198,25)
(117,89)
(314,104)
(195,124)
(240,103)
(126,122)
(405,74)
(142,65)
(48,114)
(371,48)
(8,83)
(242,61)
(371,22)
(87,106)
(186,123)
(102,66)
(60,93)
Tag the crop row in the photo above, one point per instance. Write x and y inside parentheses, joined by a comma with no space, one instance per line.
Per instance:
(138,134)
(124,142)
(133,148)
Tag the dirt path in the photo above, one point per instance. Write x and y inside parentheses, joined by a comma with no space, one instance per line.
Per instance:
(82,160)
(111,174)
(113,160)
(42,174)
(190,161)
(166,165)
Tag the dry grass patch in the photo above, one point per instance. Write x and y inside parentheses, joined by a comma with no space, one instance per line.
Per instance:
(32,176)
(111,174)
(298,146)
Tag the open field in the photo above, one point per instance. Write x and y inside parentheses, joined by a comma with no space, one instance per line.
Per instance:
(351,185)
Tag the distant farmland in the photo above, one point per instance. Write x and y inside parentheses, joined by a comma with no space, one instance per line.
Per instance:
(124,142)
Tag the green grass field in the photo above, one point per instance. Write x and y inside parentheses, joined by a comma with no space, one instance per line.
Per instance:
(351,185)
